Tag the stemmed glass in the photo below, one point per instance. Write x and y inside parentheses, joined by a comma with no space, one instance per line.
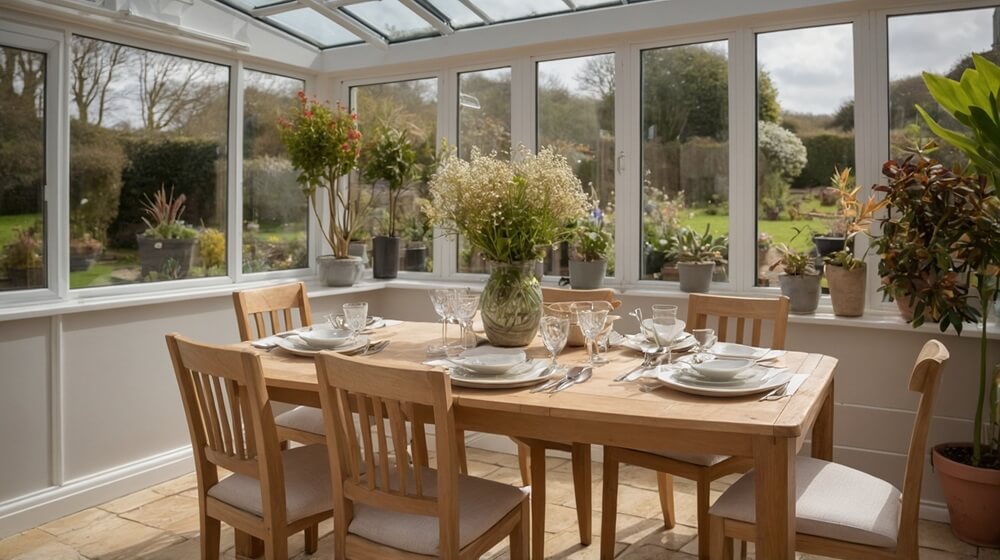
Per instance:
(601,339)
(355,318)
(465,305)
(665,315)
(591,323)
(442,300)
(555,331)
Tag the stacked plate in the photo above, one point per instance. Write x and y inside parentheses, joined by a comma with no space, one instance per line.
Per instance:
(308,342)
(497,368)
(681,341)
(726,377)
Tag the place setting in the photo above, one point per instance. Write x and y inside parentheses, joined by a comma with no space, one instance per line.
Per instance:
(345,333)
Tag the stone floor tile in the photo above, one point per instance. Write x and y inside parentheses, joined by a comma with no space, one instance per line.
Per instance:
(25,542)
(637,502)
(176,514)
(652,531)
(132,501)
(566,545)
(935,554)
(115,538)
(481,469)
(989,553)
(939,536)
(492,457)
(79,520)
(177,485)
(53,550)
(650,552)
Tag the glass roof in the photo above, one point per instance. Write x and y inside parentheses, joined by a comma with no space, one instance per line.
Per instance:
(335,23)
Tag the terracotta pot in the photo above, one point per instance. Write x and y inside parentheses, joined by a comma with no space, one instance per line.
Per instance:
(847,289)
(973,498)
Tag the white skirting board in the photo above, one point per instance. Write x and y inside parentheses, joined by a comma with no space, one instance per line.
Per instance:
(52,503)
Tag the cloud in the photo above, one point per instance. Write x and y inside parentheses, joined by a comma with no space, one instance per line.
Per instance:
(935,42)
(813,68)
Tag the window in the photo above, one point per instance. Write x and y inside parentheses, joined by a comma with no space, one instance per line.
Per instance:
(275,212)
(483,123)
(685,152)
(409,107)
(576,115)
(148,165)
(805,131)
(941,43)
(22,169)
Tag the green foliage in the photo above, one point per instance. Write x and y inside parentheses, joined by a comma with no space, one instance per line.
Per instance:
(773,194)
(25,251)
(768,108)
(824,152)
(794,262)
(212,248)
(271,197)
(163,217)
(592,241)
(693,247)
(843,258)
(22,131)
(95,180)
(782,150)
(390,157)
(844,117)
(685,93)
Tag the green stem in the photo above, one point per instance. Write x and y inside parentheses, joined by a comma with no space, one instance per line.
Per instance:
(977,426)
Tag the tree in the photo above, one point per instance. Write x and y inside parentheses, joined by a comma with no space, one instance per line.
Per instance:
(93,71)
(171,88)
(768,108)
(844,117)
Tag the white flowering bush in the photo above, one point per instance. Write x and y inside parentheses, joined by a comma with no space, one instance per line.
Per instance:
(510,210)
(785,153)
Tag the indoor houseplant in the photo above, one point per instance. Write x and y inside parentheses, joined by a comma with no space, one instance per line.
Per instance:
(697,255)
(417,231)
(798,279)
(509,211)
(953,228)
(324,144)
(589,262)
(22,259)
(166,247)
(390,157)
(845,273)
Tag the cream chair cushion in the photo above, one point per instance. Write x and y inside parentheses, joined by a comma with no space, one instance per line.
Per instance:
(832,501)
(307,485)
(302,418)
(694,459)
(481,504)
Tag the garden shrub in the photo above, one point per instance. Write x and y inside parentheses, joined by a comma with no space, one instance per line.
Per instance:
(95,173)
(824,152)
(783,150)
(271,196)
(212,248)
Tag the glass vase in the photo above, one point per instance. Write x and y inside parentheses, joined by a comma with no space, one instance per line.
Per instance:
(511,304)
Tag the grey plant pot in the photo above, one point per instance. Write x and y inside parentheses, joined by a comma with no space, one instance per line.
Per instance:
(339,272)
(696,278)
(587,275)
(157,255)
(802,291)
(358,249)
(386,251)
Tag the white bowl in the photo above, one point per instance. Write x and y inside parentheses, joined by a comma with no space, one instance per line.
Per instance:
(721,369)
(325,337)
(666,332)
(493,363)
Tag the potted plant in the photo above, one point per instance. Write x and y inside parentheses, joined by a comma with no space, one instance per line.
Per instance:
(592,244)
(847,275)
(166,247)
(22,258)
(798,279)
(390,158)
(83,252)
(324,144)
(697,255)
(943,232)
(416,231)
(508,211)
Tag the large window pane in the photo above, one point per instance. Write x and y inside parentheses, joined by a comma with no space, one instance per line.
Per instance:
(275,212)
(483,123)
(685,151)
(22,169)
(805,130)
(941,43)
(576,115)
(145,122)
(409,107)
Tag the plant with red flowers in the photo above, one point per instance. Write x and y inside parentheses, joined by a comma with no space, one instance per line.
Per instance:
(324,144)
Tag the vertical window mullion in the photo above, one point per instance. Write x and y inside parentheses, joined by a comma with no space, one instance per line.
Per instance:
(234,223)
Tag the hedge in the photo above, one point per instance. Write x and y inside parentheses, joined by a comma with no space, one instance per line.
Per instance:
(95,173)
(825,151)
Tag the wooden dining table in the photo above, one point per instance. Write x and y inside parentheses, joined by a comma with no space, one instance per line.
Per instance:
(603,412)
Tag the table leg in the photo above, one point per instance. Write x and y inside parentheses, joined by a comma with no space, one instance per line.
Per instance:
(822,433)
(774,477)
(248,546)
(537,501)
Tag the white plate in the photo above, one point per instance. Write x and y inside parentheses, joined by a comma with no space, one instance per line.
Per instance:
(681,381)
(299,347)
(732,350)
(636,342)
(531,375)
(721,369)
(489,360)
(665,331)
(325,337)
(374,322)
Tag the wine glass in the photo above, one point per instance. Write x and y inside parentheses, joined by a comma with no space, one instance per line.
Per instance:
(665,320)
(442,301)
(464,309)
(591,324)
(355,318)
(555,331)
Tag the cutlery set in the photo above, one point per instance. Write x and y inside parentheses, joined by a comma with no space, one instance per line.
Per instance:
(577,374)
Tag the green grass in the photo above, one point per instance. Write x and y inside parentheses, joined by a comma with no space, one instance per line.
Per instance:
(97,275)
(9,222)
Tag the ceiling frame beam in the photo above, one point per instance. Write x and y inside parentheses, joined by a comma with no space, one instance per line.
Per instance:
(477,10)
(442,27)
(570,4)
(293,5)
(348,23)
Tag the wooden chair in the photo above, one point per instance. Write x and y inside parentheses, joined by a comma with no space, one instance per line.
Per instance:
(266,311)
(703,469)
(271,493)
(840,511)
(559,295)
(396,509)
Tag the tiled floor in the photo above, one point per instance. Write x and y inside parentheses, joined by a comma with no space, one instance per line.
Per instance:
(161,523)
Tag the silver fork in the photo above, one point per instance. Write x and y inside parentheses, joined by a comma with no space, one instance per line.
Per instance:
(646,362)
(776,394)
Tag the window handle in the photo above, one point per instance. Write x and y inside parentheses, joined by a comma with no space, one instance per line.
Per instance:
(620,164)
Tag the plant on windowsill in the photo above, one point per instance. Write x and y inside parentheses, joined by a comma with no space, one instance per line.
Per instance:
(951,225)
(22,259)
(846,274)
(390,157)
(799,279)
(591,246)
(509,211)
(166,247)
(417,231)
(324,144)
(697,255)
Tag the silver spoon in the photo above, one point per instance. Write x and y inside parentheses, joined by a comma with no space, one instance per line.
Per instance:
(580,377)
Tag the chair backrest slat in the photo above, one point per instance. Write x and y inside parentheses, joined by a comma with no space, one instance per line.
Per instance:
(756,310)
(925,379)
(255,309)
(561,295)
(391,398)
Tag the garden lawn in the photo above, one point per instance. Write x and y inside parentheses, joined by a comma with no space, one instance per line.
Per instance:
(781,231)
(11,221)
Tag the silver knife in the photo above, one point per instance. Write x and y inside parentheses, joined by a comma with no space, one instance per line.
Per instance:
(549,384)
